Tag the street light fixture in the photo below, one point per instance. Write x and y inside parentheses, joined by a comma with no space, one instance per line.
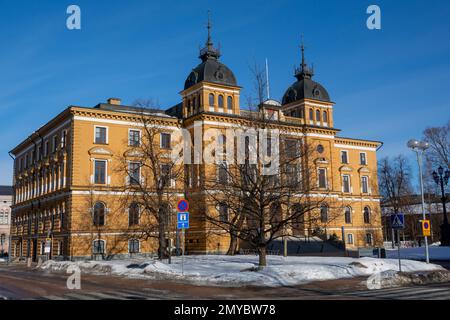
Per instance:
(441,180)
(419,147)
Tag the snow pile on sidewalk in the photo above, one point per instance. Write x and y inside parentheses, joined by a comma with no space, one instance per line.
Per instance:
(418,253)
(391,278)
(241,270)
(2,260)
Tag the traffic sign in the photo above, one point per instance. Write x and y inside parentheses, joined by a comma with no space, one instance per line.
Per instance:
(183,220)
(398,221)
(183,205)
(426,228)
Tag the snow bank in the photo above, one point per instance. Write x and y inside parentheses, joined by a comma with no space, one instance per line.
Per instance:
(241,270)
(436,253)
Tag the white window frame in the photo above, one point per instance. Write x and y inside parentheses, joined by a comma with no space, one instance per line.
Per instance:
(351,215)
(104,246)
(326,177)
(107,134)
(347,156)
(140,136)
(367,184)
(365,158)
(139,214)
(139,246)
(349,183)
(350,236)
(107,182)
(161,141)
(128,179)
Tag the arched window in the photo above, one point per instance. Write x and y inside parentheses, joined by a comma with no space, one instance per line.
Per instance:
(230,102)
(133,214)
(317,115)
(99,214)
(348,215)
(211,100)
(98,247)
(220,101)
(223,212)
(325,116)
(324,213)
(311,114)
(194,105)
(366,215)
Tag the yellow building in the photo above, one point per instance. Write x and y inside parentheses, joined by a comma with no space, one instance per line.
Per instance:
(69,188)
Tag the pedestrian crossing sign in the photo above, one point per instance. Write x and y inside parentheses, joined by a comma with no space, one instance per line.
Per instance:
(398,221)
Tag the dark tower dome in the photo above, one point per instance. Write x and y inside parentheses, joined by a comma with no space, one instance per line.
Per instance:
(210,69)
(304,87)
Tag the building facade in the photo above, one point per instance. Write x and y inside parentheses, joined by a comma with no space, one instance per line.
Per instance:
(69,188)
(6,193)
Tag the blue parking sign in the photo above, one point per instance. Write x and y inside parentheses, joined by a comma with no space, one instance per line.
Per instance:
(183,220)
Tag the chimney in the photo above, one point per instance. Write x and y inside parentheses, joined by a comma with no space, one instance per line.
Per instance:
(114,101)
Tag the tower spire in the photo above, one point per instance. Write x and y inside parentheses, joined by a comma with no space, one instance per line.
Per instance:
(209,41)
(209,52)
(304,71)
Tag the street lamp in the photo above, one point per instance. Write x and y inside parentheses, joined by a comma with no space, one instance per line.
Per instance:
(419,147)
(441,179)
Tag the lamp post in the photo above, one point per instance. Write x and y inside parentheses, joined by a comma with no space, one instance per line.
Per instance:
(419,147)
(441,180)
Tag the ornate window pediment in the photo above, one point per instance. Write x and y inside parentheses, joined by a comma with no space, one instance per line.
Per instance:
(133,153)
(321,160)
(363,169)
(100,150)
(345,168)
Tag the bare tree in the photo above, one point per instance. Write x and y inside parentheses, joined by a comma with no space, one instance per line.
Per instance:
(439,140)
(395,181)
(264,192)
(152,176)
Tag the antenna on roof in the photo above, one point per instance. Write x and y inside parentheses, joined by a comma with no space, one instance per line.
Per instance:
(267,80)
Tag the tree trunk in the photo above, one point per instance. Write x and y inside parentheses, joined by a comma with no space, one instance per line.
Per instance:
(162,241)
(233,245)
(262,256)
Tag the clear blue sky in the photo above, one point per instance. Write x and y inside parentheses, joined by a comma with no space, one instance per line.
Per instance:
(388,85)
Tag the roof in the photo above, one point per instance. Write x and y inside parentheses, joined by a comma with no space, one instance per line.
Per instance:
(211,70)
(305,89)
(6,191)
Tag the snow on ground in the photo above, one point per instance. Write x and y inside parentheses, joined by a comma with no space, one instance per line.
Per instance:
(240,270)
(2,260)
(418,253)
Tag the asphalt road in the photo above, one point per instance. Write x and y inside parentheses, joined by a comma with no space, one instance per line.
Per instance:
(19,282)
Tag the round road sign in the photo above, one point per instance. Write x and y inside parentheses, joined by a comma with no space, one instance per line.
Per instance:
(183,205)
